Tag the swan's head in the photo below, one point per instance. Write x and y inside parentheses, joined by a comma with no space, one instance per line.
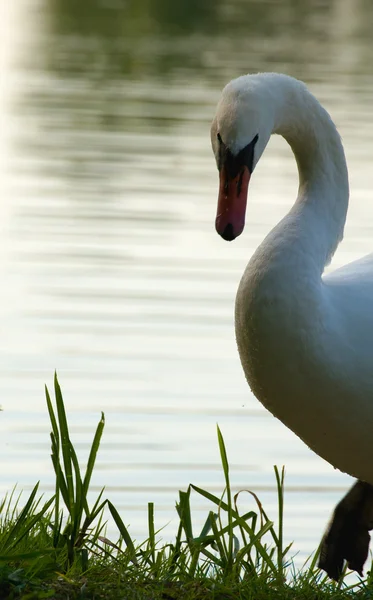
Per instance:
(240,131)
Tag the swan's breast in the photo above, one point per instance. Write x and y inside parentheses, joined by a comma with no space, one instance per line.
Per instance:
(277,321)
(300,366)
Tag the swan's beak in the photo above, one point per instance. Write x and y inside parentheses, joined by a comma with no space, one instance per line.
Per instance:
(230,218)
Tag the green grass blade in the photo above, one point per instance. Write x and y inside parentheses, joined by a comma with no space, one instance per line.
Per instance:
(80,501)
(176,549)
(6,505)
(33,521)
(80,540)
(151,530)
(65,445)
(124,532)
(55,443)
(255,538)
(252,515)
(93,453)
(207,526)
(97,508)
(237,522)
(99,528)
(225,464)
(58,485)
(61,486)
(218,540)
(20,522)
(17,556)
(223,455)
(52,415)
(209,496)
(183,509)
(194,561)
(280,502)
(255,541)
(264,517)
(214,559)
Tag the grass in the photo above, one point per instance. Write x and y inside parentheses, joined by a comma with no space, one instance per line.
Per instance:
(57,548)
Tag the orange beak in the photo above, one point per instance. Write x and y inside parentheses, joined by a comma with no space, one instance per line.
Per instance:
(230,218)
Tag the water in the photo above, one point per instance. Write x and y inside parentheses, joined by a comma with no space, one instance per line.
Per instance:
(111,270)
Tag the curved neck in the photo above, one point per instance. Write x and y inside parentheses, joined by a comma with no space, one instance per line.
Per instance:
(321,207)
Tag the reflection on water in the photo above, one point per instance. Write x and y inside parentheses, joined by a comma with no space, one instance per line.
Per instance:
(112,272)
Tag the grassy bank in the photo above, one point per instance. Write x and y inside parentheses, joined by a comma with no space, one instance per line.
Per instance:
(57,548)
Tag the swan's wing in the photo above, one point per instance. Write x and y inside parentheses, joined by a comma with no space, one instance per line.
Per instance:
(358,273)
(350,294)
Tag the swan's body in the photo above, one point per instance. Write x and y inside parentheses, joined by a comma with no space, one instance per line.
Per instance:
(305,340)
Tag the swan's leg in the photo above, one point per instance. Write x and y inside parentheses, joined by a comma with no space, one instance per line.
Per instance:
(347,537)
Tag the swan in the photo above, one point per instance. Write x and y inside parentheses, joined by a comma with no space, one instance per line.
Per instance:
(305,339)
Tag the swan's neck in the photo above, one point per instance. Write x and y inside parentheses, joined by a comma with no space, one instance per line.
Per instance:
(316,222)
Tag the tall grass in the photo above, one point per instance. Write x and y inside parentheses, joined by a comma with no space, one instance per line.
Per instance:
(63,540)
(72,486)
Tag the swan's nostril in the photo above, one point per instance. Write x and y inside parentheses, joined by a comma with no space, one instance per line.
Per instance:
(228,233)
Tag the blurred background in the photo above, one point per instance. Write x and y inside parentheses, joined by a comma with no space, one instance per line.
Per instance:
(111,271)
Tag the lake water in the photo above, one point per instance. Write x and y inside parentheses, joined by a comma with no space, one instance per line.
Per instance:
(111,270)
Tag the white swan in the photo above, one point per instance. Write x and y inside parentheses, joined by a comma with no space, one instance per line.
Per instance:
(305,340)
